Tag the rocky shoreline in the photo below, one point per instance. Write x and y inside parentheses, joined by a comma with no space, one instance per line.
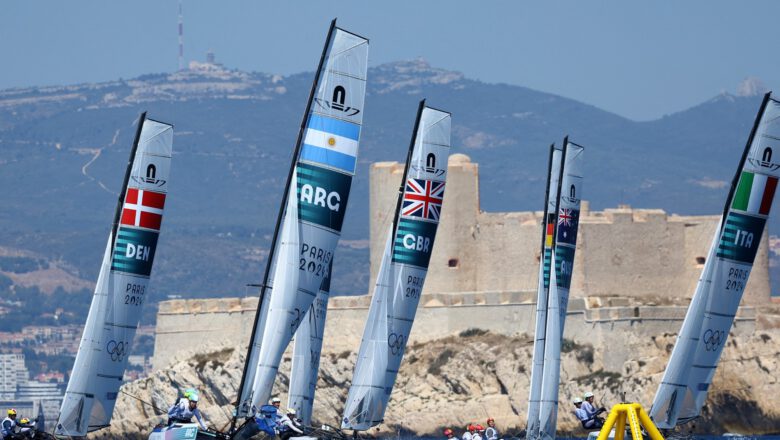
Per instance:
(467,377)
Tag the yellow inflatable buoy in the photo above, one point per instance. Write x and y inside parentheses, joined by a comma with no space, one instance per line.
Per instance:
(635,415)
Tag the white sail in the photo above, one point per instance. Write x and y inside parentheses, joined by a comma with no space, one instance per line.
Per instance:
(708,321)
(402,272)
(549,220)
(314,210)
(569,193)
(306,355)
(122,287)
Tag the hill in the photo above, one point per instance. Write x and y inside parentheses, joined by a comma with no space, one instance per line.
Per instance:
(63,150)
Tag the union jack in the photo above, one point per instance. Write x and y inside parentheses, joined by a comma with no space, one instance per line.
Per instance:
(423,198)
(565,217)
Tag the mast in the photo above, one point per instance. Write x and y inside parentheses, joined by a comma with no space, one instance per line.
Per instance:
(406,168)
(121,199)
(537,361)
(280,217)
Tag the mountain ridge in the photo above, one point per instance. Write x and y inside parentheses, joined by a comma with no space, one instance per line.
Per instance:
(64,150)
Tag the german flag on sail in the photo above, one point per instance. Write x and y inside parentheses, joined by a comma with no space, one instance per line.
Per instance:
(548,236)
(754,193)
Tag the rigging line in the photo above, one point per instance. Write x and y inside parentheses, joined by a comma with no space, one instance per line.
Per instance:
(143,401)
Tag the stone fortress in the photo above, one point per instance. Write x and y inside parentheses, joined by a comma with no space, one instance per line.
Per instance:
(635,271)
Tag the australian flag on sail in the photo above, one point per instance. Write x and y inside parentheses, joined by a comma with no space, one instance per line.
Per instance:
(568,221)
(423,198)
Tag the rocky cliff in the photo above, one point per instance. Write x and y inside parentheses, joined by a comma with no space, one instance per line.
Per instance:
(464,378)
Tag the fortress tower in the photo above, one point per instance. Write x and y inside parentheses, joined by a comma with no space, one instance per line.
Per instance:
(643,254)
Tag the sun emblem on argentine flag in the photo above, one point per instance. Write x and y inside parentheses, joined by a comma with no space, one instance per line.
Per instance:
(423,198)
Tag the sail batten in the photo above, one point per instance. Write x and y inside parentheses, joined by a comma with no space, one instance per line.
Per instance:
(715,302)
(402,272)
(122,285)
(312,212)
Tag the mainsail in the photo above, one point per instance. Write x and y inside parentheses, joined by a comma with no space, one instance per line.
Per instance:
(710,316)
(122,285)
(311,214)
(569,196)
(549,220)
(306,355)
(402,272)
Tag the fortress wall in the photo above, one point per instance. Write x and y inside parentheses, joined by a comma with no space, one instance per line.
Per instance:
(644,254)
(187,325)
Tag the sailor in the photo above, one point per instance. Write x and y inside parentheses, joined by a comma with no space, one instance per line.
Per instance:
(277,402)
(491,433)
(27,428)
(9,425)
(469,434)
(288,425)
(185,408)
(480,433)
(588,406)
(588,421)
(449,434)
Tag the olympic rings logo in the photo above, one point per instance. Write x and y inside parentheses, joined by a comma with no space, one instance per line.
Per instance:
(396,343)
(712,339)
(116,350)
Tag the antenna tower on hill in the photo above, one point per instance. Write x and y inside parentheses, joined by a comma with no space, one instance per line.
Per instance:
(181,39)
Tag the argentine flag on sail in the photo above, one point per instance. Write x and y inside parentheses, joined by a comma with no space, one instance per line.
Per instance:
(331,142)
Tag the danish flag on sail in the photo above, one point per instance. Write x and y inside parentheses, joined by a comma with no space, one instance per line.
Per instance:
(143,208)
(423,198)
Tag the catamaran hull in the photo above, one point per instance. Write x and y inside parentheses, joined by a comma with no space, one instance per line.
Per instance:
(183,431)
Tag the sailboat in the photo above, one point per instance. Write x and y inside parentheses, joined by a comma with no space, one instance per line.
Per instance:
(310,217)
(705,329)
(401,276)
(122,285)
(561,222)
(549,220)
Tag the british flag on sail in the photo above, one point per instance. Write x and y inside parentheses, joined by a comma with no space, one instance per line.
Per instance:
(423,198)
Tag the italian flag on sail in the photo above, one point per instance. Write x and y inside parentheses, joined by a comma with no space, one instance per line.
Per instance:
(754,193)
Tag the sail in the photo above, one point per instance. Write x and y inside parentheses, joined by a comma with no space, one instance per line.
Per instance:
(313,210)
(402,271)
(710,316)
(306,355)
(122,285)
(549,220)
(569,195)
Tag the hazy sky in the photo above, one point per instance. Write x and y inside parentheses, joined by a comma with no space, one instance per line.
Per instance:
(638,59)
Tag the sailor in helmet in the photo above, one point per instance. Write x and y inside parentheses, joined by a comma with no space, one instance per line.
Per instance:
(9,425)
(26,427)
(589,407)
(277,402)
(491,432)
(470,433)
(289,426)
(449,434)
(185,408)
(588,420)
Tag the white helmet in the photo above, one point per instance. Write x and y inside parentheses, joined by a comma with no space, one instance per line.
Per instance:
(577,400)
(291,411)
(275,400)
(588,395)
